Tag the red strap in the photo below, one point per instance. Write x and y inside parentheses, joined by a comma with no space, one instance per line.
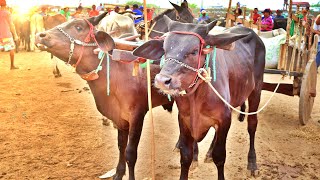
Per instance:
(202,42)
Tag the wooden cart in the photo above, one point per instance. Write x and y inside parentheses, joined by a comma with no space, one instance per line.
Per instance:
(294,61)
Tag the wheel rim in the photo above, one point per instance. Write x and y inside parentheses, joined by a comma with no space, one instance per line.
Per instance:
(307,92)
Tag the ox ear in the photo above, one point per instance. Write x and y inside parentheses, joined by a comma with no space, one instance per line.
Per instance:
(211,25)
(176,7)
(152,49)
(224,39)
(96,19)
(184,4)
(105,41)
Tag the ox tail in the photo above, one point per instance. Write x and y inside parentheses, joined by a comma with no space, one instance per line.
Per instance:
(243,109)
(168,106)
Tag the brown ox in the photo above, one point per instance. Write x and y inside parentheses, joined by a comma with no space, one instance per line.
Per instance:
(239,75)
(127,103)
(39,23)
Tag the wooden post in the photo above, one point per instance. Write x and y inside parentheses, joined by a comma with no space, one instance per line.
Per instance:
(286,57)
(149,95)
(244,15)
(228,12)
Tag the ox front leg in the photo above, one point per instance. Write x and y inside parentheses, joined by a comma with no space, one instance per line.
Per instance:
(219,147)
(254,100)
(122,144)
(132,148)
(186,149)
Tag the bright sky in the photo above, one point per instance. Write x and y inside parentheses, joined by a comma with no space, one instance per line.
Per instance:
(261,4)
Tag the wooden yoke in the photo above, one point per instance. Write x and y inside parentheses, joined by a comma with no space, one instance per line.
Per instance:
(125,45)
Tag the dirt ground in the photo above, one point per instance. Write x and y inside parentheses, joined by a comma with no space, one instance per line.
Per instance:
(50,129)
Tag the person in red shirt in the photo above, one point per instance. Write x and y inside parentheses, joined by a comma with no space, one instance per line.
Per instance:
(7,32)
(255,16)
(93,12)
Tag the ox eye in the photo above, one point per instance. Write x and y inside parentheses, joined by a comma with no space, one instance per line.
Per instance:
(194,52)
(78,28)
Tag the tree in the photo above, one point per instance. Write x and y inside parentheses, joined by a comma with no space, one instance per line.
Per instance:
(193,6)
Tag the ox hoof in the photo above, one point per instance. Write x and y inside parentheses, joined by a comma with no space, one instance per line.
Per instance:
(194,165)
(109,174)
(253,173)
(208,160)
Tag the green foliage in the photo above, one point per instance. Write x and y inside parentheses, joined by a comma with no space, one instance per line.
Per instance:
(130,3)
(316,5)
(193,6)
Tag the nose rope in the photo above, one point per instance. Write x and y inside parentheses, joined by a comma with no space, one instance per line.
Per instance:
(202,42)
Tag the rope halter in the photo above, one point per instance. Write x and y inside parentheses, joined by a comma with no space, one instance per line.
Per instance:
(196,70)
(93,75)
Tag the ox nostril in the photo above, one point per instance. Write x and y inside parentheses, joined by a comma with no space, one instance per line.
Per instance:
(162,81)
(42,35)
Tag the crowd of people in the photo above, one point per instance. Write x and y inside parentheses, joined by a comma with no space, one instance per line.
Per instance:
(265,20)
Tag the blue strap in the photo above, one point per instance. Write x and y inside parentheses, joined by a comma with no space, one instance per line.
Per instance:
(108,74)
(214,63)
(162,61)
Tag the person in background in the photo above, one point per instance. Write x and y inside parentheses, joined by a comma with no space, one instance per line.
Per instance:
(87,12)
(237,12)
(100,7)
(141,9)
(7,32)
(78,13)
(266,22)
(43,11)
(65,11)
(126,7)
(138,14)
(204,17)
(285,4)
(279,14)
(255,15)
(316,30)
(94,11)
(115,10)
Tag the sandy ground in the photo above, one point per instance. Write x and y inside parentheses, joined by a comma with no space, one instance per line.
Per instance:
(50,129)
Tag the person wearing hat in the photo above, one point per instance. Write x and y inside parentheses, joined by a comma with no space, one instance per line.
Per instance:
(279,14)
(7,32)
(138,13)
(204,17)
(266,22)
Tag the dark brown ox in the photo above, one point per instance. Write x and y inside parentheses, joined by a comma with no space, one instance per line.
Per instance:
(239,77)
(127,103)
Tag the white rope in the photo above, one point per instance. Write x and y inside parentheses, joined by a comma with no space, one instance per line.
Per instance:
(207,79)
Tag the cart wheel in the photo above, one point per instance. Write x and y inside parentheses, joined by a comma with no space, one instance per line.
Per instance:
(307,92)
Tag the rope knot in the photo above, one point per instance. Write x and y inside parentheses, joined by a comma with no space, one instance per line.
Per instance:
(206,76)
